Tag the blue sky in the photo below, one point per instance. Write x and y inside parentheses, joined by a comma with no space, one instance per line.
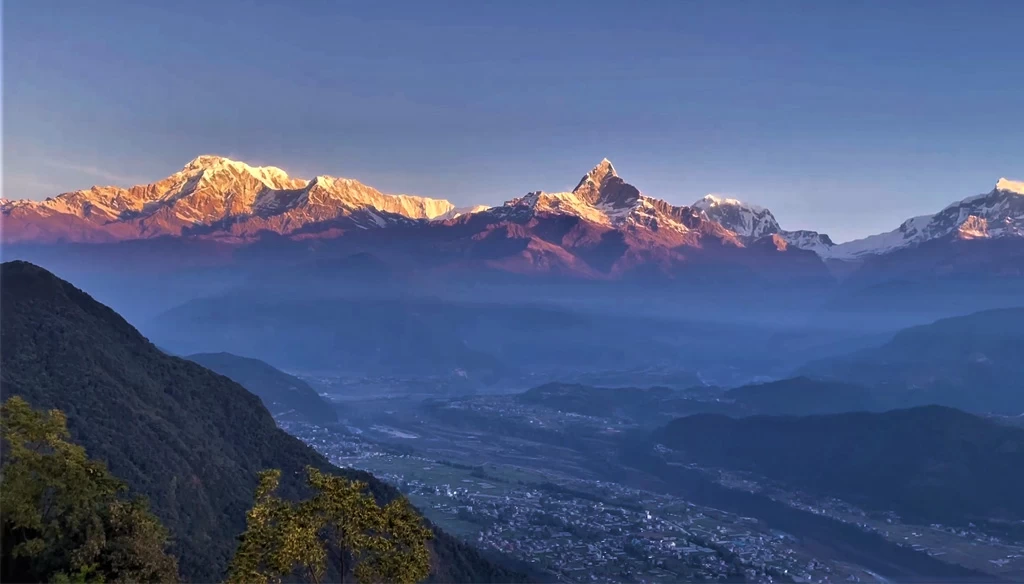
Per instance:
(845,117)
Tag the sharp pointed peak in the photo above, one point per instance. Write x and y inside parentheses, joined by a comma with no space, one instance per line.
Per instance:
(597,176)
(605,168)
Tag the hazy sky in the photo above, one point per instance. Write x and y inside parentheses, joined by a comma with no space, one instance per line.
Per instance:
(845,117)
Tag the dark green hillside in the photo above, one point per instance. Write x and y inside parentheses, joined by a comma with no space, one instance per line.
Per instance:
(186,437)
(802,396)
(284,395)
(930,463)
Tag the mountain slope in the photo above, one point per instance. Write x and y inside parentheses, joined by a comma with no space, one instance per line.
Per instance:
(972,362)
(980,262)
(376,336)
(286,396)
(189,439)
(741,218)
(751,222)
(998,213)
(801,396)
(930,463)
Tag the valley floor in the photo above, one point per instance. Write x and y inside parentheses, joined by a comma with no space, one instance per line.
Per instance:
(548,488)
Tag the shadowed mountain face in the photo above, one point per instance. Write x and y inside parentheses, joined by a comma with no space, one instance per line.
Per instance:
(973,362)
(488,333)
(189,439)
(364,336)
(802,396)
(286,396)
(931,464)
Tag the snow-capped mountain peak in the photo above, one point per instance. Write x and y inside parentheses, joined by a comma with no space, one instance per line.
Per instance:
(603,197)
(741,218)
(715,200)
(1012,186)
(460,211)
(212,164)
(596,177)
(998,213)
(205,161)
(753,222)
(603,187)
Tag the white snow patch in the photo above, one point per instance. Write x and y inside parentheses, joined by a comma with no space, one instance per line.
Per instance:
(1013,186)
(713,200)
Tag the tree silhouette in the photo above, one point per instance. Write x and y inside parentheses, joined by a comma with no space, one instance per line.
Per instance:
(65,517)
(341,521)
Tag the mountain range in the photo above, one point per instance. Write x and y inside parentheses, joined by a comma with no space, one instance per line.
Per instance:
(604,228)
(214,196)
(192,441)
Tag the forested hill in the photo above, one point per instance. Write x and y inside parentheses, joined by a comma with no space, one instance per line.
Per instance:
(284,395)
(190,439)
(929,463)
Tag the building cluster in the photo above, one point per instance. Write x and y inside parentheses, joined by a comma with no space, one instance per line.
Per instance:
(589,531)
